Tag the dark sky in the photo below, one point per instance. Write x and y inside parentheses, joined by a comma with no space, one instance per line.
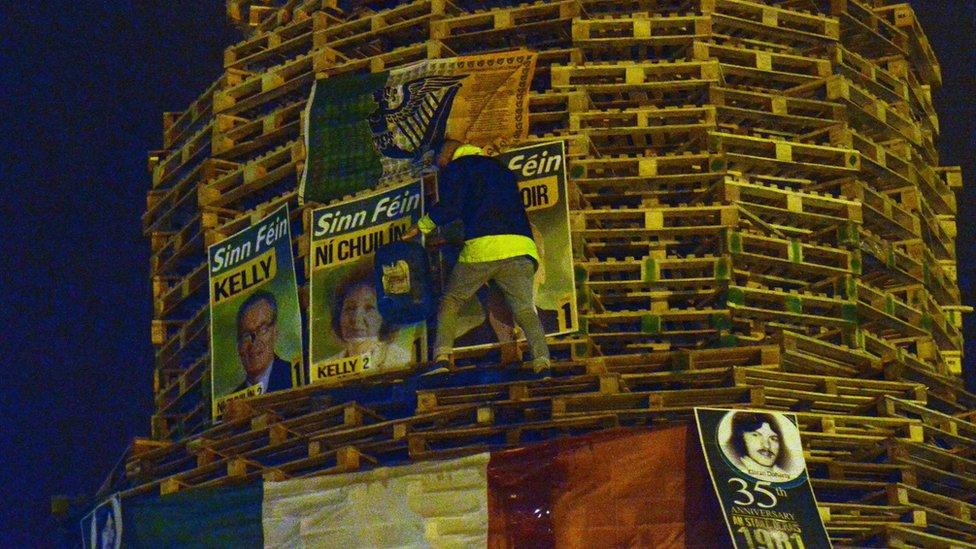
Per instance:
(84,85)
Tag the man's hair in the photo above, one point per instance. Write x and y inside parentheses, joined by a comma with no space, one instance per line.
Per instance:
(254,299)
(746,422)
(358,278)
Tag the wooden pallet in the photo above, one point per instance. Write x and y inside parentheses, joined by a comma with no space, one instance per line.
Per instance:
(779,157)
(934,234)
(405,25)
(787,262)
(640,405)
(864,31)
(536,26)
(902,16)
(175,351)
(774,114)
(277,169)
(267,49)
(549,111)
(809,355)
(447,443)
(247,93)
(870,115)
(883,167)
(826,394)
(949,517)
(639,36)
(239,139)
(173,296)
(515,18)
(174,252)
(178,126)
(787,212)
(169,210)
(882,215)
(762,69)
(168,167)
(645,76)
(879,82)
(797,311)
(687,361)
(949,431)
(793,28)
(670,273)
(884,314)
(651,222)
(827,437)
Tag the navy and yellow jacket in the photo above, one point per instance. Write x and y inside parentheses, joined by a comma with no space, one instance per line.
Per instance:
(484,195)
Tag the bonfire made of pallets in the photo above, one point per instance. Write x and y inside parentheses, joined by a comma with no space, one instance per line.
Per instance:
(758,219)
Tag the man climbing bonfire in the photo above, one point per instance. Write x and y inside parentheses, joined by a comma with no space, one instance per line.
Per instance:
(483,194)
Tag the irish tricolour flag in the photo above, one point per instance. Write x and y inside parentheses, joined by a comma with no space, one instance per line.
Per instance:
(620,488)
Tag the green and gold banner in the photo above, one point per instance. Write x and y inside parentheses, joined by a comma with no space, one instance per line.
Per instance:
(364,128)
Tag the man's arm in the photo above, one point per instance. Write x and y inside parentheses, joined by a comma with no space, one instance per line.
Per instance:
(447,208)
(449,185)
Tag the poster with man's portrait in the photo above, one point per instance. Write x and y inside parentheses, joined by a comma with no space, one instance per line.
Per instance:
(102,528)
(540,170)
(255,322)
(348,336)
(755,459)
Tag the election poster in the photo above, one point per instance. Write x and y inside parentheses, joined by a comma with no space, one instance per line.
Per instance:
(255,323)
(348,337)
(541,173)
(364,128)
(102,528)
(756,463)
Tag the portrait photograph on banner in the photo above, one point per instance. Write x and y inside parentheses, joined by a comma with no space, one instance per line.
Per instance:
(255,322)
(349,337)
(755,459)
(364,128)
(540,170)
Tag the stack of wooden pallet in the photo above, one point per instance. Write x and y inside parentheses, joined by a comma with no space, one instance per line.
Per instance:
(759,218)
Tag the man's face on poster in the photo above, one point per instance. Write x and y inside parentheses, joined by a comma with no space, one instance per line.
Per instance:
(256,337)
(762,445)
(360,318)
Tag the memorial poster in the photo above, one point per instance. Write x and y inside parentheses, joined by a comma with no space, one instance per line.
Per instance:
(756,463)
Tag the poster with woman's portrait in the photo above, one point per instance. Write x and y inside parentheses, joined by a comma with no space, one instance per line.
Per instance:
(102,528)
(348,336)
(755,459)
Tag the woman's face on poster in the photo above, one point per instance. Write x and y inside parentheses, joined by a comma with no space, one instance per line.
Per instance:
(762,445)
(360,318)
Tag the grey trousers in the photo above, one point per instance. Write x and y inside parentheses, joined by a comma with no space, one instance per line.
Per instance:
(514,277)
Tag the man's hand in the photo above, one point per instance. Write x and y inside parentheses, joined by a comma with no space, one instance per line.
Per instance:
(410,233)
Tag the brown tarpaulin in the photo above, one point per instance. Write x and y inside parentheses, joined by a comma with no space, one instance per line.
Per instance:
(620,488)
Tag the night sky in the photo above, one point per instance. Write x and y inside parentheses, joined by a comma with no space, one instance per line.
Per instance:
(84,87)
